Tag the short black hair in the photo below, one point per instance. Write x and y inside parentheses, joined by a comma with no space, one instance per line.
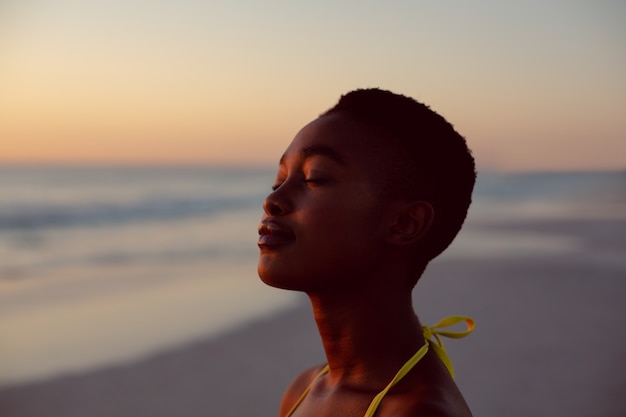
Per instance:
(427,158)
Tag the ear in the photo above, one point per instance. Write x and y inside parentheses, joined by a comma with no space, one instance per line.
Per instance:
(410,222)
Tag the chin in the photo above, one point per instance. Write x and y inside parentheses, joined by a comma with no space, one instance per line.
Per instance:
(276,279)
(271,278)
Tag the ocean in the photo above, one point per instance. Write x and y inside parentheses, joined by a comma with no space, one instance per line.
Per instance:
(101,266)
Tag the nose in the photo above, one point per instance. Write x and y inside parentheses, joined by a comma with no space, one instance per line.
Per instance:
(276,204)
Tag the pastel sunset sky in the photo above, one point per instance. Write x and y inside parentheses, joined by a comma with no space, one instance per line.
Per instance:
(533,85)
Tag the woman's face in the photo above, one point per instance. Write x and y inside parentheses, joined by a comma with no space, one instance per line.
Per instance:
(322,225)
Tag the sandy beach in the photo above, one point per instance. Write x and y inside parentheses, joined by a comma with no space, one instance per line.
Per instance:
(548,343)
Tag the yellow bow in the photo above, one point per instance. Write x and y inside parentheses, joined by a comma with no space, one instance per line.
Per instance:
(433,336)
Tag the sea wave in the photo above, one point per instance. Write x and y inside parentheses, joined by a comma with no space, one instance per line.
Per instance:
(19,217)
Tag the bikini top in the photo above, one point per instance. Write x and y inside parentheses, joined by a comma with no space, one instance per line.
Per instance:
(432,334)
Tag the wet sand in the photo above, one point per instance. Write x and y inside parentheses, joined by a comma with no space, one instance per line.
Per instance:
(548,342)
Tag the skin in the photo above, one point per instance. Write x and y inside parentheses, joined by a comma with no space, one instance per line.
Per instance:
(326,231)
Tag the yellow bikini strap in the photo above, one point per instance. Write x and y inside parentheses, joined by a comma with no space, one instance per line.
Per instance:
(433,335)
(306,391)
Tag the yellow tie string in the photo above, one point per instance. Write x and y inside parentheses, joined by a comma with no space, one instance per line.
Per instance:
(433,336)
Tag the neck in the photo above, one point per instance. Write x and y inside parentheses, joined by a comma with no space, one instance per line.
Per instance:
(367,336)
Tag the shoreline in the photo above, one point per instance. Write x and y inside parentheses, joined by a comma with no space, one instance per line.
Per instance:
(544,344)
(121,315)
(201,378)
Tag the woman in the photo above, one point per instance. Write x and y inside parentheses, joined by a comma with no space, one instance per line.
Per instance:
(365,196)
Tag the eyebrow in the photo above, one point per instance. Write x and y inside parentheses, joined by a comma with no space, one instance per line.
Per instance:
(321,150)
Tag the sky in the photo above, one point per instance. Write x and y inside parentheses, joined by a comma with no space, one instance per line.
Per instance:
(534,85)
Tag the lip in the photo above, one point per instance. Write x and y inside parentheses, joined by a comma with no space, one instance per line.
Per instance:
(273,234)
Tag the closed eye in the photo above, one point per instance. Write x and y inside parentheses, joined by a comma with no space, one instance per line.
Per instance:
(308,181)
(316,181)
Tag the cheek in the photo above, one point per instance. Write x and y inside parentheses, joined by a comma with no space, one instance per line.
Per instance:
(335,243)
(358,218)
(342,234)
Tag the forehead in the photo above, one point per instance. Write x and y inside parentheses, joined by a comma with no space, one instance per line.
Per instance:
(347,143)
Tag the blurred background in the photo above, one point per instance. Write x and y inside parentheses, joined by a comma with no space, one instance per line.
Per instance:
(139,138)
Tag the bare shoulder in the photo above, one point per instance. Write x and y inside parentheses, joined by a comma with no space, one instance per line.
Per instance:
(429,392)
(297,387)
(426,401)
(442,404)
